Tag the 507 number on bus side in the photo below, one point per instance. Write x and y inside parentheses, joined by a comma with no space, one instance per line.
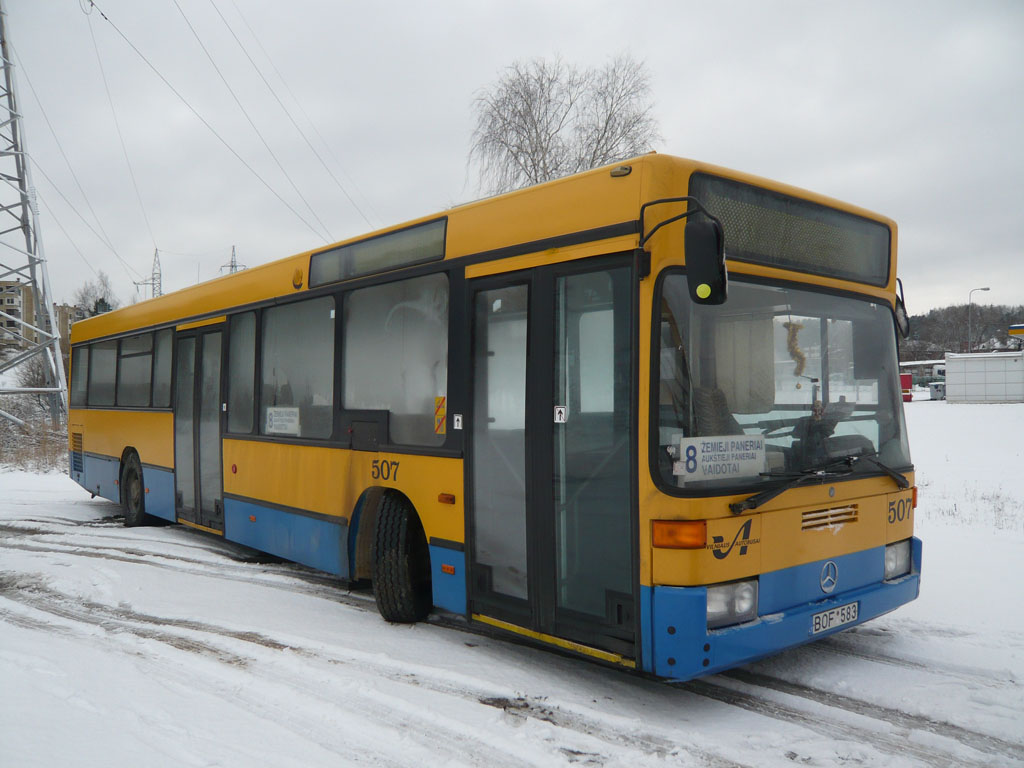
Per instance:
(382,469)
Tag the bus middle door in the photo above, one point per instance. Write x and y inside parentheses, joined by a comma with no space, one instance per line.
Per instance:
(197,428)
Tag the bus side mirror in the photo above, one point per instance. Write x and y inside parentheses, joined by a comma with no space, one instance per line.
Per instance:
(900,310)
(902,319)
(705,261)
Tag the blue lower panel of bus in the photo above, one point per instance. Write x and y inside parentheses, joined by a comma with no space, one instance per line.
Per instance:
(99,475)
(678,644)
(159,485)
(312,541)
(448,578)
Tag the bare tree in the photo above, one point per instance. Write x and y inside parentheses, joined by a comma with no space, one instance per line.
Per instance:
(545,119)
(96,296)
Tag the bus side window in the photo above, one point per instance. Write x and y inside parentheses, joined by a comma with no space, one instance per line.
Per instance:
(396,355)
(162,369)
(241,372)
(102,372)
(135,370)
(596,362)
(79,375)
(297,396)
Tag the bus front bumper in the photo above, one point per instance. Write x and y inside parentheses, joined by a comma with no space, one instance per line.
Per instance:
(678,645)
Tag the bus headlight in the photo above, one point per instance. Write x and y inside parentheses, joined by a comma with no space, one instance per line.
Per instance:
(732,603)
(897,559)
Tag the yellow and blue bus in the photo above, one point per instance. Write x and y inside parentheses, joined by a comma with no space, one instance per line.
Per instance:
(649,414)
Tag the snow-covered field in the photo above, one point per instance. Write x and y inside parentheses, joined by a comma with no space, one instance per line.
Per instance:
(166,647)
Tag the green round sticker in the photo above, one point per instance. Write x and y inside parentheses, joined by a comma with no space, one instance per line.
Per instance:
(703,290)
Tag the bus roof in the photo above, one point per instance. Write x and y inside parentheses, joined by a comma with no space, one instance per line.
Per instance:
(597,204)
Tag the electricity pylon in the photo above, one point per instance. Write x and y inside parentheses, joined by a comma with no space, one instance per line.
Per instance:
(156,279)
(233,265)
(32,327)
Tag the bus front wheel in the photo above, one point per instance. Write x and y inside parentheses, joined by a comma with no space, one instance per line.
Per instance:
(133,497)
(401,562)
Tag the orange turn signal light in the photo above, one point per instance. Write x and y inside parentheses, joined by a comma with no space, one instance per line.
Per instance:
(914,503)
(446,498)
(680,534)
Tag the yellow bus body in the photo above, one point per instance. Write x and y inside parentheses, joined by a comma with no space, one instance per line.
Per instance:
(563,221)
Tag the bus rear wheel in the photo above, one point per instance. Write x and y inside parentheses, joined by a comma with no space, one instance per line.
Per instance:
(401,562)
(133,497)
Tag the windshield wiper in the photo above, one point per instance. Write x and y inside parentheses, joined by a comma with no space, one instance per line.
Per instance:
(837,468)
(871,458)
(834,469)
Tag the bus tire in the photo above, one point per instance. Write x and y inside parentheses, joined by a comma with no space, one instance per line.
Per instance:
(401,562)
(133,496)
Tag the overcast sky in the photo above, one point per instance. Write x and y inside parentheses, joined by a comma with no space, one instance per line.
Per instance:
(911,109)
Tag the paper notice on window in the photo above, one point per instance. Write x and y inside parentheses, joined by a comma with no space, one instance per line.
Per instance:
(282,421)
(719,457)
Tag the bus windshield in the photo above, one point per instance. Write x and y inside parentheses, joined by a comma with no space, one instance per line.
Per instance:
(777,381)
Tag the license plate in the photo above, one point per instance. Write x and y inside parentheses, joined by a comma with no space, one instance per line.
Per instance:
(834,617)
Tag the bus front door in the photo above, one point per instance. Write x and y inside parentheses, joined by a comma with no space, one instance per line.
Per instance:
(197,428)
(551,451)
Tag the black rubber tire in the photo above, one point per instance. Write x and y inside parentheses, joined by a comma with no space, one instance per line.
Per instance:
(133,495)
(401,563)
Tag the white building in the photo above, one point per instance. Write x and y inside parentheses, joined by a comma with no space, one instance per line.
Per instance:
(992,377)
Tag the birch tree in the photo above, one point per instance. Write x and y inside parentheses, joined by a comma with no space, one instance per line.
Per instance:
(545,119)
(96,296)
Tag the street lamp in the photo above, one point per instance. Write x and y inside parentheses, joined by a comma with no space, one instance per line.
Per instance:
(969,295)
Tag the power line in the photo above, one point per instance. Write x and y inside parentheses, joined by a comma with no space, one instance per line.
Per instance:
(251,122)
(305,114)
(194,254)
(203,120)
(53,217)
(37,332)
(120,135)
(104,237)
(71,205)
(287,113)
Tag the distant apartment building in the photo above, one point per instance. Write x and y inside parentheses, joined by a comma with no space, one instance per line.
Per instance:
(65,315)
(15,299)
(17,302)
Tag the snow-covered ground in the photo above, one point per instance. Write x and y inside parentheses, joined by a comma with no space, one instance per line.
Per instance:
(166,647)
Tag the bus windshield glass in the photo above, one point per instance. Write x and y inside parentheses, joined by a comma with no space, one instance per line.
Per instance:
(776,382)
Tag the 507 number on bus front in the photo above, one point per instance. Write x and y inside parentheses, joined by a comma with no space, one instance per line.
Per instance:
(382,469)
(900,509)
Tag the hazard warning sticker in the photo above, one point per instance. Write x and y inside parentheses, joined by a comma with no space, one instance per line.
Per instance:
(440,416)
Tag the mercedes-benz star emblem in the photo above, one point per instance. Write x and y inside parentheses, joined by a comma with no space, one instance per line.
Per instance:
(829,577)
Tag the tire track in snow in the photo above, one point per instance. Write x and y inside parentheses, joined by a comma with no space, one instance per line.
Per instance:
(289,578)
(754,698)
(980,742)
(188,539)
(839,645)
(369,705)
(34,594)
(518,708)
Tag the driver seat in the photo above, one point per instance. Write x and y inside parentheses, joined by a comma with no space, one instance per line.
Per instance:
(711,413)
